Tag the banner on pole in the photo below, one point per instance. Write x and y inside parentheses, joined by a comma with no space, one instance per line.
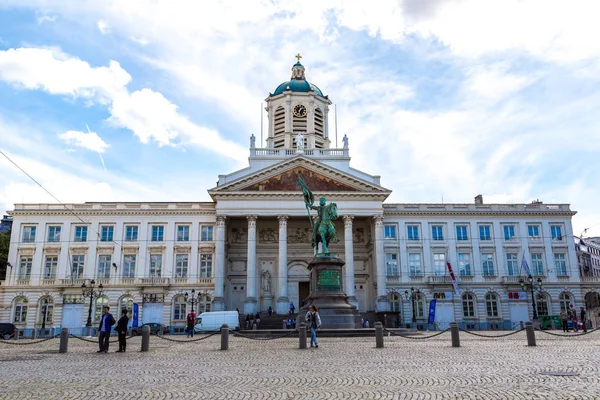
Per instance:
(431,311)
(136,309)
(452,276)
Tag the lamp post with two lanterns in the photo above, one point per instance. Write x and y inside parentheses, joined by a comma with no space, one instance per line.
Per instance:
(529,285)
(88,291)
(412,295)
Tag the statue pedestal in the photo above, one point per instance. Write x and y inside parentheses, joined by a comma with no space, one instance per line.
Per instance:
(267,300)
(327,295)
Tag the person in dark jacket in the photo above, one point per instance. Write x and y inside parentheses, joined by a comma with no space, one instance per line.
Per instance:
(122,330)
(106,323)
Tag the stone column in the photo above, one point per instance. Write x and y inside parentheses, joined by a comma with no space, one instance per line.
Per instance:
(251,300)
(282,274)
(382,300)
(349,255)
(218,303)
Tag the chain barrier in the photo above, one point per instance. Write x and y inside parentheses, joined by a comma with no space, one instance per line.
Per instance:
(16,342)
(415,338)
(95,340)
(242,335)
(568,336)
(190,340)
(491,336)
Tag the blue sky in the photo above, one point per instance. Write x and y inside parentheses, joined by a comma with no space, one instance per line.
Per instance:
(440,98)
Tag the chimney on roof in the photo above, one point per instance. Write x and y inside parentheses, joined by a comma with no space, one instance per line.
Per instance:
(537,201)
(479,199)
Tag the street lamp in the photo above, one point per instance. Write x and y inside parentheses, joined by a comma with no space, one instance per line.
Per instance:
(88,291)
(413,294)
(532,287)
(45,314)
(193,299)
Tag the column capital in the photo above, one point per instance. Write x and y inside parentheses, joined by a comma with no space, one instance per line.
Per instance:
(221,220)
(251,220)
(282,219)
(348,220)
(378,219)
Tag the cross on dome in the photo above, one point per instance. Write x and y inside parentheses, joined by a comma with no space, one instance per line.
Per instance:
(298,56)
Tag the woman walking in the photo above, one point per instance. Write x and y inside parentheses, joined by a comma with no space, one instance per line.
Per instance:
(314,321)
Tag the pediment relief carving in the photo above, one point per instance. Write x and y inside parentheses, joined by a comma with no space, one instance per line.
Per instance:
(286,181)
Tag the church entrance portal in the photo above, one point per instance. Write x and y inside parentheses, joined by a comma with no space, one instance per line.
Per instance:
(304,291)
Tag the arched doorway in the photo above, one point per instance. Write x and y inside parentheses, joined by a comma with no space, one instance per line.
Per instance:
(298,283)
(592,305)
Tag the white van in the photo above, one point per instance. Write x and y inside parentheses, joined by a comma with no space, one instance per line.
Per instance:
(214,320)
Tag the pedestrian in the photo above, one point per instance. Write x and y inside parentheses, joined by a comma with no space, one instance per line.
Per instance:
(106,323)
(366,323)
(284,324)
(564,317)
(270,311)
(362,322)
(247,321)
(583,320)
(292,308)
(314,321)
(257,318)
(289,323)
(122,330)
(191,324)
(574,318)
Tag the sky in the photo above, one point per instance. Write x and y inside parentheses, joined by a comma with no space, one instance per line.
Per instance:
(151,101)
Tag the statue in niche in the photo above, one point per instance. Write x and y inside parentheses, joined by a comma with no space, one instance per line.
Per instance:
(266,281)
(267,235)
(359,235)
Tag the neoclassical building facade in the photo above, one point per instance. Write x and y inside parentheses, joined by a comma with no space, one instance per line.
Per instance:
(249,247)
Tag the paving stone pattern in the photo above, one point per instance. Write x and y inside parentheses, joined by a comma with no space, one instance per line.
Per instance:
(339,369)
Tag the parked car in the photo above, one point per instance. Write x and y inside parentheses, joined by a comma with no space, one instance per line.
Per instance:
(155,328)
(7,330)
(547,322)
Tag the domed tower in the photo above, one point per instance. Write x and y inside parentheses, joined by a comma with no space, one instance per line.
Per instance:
(298,107)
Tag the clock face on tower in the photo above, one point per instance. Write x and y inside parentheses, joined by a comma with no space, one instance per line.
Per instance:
(299,110)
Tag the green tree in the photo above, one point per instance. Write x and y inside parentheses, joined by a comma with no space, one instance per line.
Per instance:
(4,246)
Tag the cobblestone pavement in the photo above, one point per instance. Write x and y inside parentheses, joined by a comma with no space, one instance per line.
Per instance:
(339,369)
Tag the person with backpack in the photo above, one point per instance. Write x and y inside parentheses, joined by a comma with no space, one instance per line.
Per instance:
(314,322)
(191,323)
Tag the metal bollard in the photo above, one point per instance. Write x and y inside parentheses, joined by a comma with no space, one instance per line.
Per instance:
(302,335)
(64,340)
(225,337)
(145,338)
(378,335)
(530,333)
(17,334)
(454,334)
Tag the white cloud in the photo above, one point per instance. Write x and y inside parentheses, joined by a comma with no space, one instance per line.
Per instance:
(44,18)
(103,26)
(140,41)
(90,140)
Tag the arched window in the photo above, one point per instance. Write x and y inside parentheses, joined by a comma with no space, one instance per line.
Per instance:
(420,305)
(20,314)
(100,303)
(468,303)
(565,300)
(492,305)
(179,308)
(543,304)
(395,302)
(127,304)
(204,303)
(46,309)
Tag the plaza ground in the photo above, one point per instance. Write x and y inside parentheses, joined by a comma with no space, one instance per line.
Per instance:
(349,368)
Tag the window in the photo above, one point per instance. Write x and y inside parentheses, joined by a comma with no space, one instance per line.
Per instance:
(25,264)
(560,264)
(487,264)
(77,264)
(100,303)
(542,304)
(462,232)
(533,231)
(131,233)
(468,304)
(127,303)
(437,232)
(183,233)
(464,264)
(158,233)
(414,264)
(46,308)
(485,232)
(181,265)
(509,232)
(556,231)
(50,267)
(179,308)
(206,265)
(54,233)
(129,266)
(391,262)
(565,300)
(20,310)
(492,305)
(420,305)
(155,265)
(395,302)
(511,264)
(80,234)
(206,233)
(28,234)
(439,264)
(389,231)
(104,266)
(107,233)
(537,265)
(204,304)
(413,232)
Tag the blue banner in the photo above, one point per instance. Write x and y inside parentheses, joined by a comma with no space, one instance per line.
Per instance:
(432,311)
(136,309)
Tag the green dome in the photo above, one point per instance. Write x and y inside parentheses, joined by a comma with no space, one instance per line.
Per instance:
(297,85)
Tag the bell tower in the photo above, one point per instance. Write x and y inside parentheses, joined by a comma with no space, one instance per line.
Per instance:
(298,114)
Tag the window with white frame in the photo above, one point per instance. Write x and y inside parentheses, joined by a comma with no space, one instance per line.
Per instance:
(181,265)
(104,262)
(155,265)
(158,233)
(511,264)
(542,304)
(179,308)
(77,265)
(46,308)
(468,305)
(566,301)
(439,264)
(420,305)
(560,264)
(462,232)
(414,264)
(131,233)
(437,232)
(206,233)
(556,231)
(413,232)
(485,232)
(50,265)
(204,303)
(54,234)
(107,233)
(395,302)
(28,234)
(391,263)
(537,264)
(487,264)
(492,305)
(390,231)
(129,265)
(80,234)
(20,314)
(509,232)
(533,231)
(206,261)
(183,233)
(25,263)
(101,302)
(464,264)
